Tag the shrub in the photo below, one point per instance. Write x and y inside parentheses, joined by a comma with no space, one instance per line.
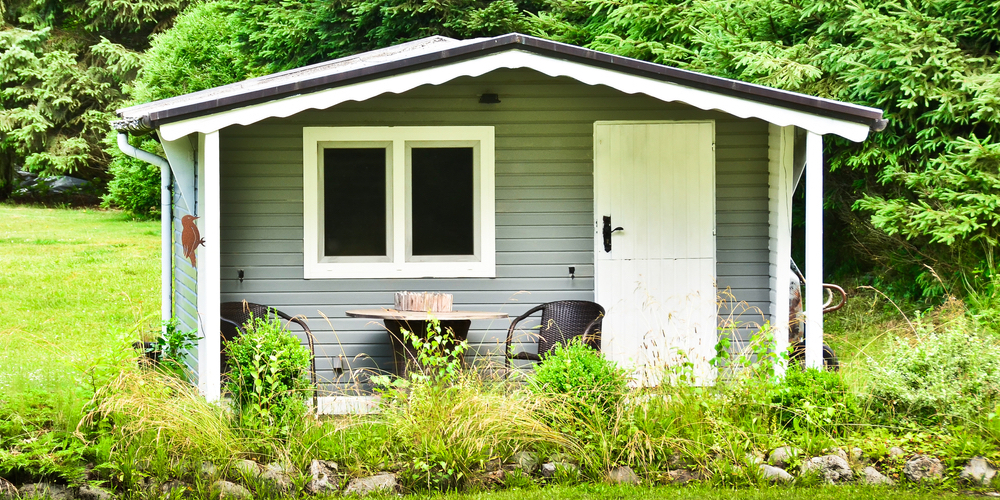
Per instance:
(135,184)
(813,398)
(582,374)
(268,376)
(941,375)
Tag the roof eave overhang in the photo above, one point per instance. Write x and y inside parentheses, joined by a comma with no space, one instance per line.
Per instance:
(870,118)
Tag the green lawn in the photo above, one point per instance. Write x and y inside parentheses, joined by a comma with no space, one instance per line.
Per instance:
(605,492)
(75,285)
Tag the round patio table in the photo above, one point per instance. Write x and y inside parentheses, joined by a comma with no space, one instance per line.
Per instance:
(416,322)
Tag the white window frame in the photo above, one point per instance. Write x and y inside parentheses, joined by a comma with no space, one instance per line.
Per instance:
(399,263)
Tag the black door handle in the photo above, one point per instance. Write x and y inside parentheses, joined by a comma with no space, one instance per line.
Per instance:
(608,231)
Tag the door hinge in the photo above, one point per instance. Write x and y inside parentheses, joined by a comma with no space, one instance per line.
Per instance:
(713,146)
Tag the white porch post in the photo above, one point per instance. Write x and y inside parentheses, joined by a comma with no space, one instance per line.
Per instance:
(781,155)
(814,251)
(209,289)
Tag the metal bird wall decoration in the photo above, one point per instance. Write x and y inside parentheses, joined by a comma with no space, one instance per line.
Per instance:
(190,238)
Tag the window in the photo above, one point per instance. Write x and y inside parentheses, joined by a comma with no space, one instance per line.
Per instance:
(398,202)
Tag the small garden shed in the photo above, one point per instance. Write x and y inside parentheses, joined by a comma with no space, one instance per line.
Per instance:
(488,169)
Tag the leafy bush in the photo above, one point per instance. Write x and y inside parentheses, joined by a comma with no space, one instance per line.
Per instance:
(813,398)
(268,376)
(944,374)
(583,375)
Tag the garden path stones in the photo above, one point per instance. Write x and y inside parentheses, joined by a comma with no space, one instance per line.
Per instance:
(381,482)
(871,476)
(7,490)
(833,469)
(225,490)
(88,492)
(623,474)
(923,468)
(978,472)
(324,477)
(774,474)
(46,490)
(780,457)
(279,476)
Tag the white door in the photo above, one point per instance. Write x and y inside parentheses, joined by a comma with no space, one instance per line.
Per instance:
(656,181)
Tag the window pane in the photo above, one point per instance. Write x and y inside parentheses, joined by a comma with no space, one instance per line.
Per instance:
(442,201)
(354,200)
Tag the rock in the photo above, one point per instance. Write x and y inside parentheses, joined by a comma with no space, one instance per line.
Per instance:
(857,454)
(896,451)
(833,469)
(548,469)
(173,488)
(978,472)
(208,470)
(7,489)
(774,474)
(755,458)
(279,476)
(681,476)
(381,482)
(780,457)
(46,490)
(224,490)
(526,461)
(623,474)
(839,452)
(922,468)
(325,478)
(88,492)
(871,476)
(246,468)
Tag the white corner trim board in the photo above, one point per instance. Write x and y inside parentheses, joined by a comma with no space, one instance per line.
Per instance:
(513,59)
(209,261)
(814,251)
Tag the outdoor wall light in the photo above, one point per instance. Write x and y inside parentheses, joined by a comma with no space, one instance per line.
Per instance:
(489,99)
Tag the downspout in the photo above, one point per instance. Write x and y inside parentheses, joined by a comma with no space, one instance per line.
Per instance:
(166,253)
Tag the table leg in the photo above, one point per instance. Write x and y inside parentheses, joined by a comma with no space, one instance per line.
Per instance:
(402,351)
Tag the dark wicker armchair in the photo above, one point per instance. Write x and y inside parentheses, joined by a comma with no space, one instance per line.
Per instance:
(562,321)
(236,314)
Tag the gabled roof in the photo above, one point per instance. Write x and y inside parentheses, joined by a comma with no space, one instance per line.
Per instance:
(435,60)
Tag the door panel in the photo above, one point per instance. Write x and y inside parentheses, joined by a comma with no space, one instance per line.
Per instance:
(657,182)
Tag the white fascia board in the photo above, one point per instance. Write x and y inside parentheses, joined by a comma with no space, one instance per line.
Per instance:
(513,59)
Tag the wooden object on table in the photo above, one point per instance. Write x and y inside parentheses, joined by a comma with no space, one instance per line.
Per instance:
(424,301)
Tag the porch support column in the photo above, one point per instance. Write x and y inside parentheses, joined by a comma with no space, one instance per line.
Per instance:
(209,260)
(814,251)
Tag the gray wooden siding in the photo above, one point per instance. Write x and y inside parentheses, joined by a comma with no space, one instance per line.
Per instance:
(544,206)
(185,290)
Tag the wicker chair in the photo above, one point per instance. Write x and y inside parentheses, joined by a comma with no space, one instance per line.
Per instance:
(562,321)
(236,314)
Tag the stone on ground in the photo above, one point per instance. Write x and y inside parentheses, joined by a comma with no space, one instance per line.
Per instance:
(681,476)
(7,489)
(623,474)
(168,488)
(549,469)
(526,461)
(896,451)
(923,468)
(325,478)
(208,470)
(872,476)
(46,490)
(780,457)
(833,469)
(278,476)
(978,472)
(225,490)
(246,468)
(381,482)
(774,474)
(88,492)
